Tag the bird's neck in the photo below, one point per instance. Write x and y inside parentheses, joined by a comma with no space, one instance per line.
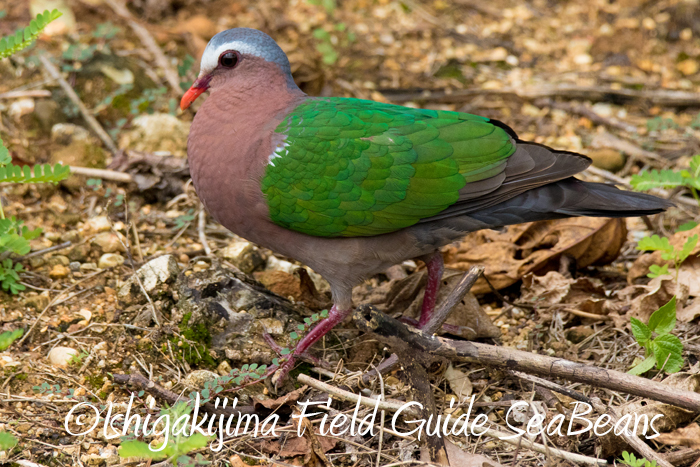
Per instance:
(230,141)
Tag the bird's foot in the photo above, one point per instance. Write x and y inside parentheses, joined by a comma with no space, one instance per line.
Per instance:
(435,267)
(334,317)
(285,353)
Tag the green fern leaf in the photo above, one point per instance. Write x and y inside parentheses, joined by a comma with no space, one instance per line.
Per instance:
(657,179)
(39,174)
(23,38)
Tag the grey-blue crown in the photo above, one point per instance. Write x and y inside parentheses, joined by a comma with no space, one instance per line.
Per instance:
(245,41)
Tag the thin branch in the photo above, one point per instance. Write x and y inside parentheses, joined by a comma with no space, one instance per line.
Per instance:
(397,334)
(662,97)
(150,43)
(28,93)
(94,124)
(201,224)
(104,174)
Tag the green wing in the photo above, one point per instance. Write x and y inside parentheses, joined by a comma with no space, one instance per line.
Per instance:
(351,167)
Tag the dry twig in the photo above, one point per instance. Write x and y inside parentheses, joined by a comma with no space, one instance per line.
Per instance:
(161,60)
(397,334)
(94,124)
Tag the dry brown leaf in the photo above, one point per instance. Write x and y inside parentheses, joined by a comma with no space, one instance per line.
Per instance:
(640,268)
(687,436)
(288,399)
(646,299)
(508,256)
(459,458)
(671,416)
(689,274)
(690,312)
(581,294)
(300,287)
(459,382)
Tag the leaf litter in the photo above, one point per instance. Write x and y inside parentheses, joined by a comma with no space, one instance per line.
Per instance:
(571,285)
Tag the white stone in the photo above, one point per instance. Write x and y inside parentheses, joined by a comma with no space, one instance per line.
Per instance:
(110,260)
(61,356)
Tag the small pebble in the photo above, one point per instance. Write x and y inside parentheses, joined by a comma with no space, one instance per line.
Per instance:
(110,260)
(61,356)
(59,271)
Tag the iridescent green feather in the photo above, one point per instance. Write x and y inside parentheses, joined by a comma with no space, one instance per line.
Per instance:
(352,167)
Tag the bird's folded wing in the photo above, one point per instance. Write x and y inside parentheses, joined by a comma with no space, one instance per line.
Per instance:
(350,167)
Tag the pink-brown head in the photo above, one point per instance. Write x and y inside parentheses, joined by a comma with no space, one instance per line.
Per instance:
(237,54)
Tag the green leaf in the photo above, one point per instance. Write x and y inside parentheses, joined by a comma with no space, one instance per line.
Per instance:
(5,157)
(690,244)
(42,173)
(7,338)
(23,38)
(641,331)
(7,441)
(695,166)
(655,179)
(655,243)
(668,351)
(690,225)
(643,366)
(656,271)
(663,320)
(135,448)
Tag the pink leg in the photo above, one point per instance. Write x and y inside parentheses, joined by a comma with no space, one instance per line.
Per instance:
(335,317)
(435,268)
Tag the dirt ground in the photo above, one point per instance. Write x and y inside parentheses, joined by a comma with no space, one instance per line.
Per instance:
(618,81)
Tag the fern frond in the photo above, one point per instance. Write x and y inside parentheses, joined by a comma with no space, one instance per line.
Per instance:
(657,179)
(41,173)
(5,156)
(23,38)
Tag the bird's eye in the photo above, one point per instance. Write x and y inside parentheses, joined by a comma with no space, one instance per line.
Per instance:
(228,59)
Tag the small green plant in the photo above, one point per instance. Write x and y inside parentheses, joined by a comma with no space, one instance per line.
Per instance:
(689,179)
(23,38)
(629,459)
(78,358)
(7,338)
(663,350)
(668,253)
(14,237)
(7,441)
(178,444)
(660,124)
(328,41)
(329,5)
(184,219)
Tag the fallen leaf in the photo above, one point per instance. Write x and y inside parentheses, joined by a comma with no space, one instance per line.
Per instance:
(274,404)
(646,299)
(689,313)
(670,416)
(687,436)
(298,286)
(459,458)
(536,247)
(582,294)
(459,382)
(689,274)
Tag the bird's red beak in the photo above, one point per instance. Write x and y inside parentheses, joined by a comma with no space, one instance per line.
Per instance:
(198,87)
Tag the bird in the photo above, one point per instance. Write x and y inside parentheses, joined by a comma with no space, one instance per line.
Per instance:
(350,187)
